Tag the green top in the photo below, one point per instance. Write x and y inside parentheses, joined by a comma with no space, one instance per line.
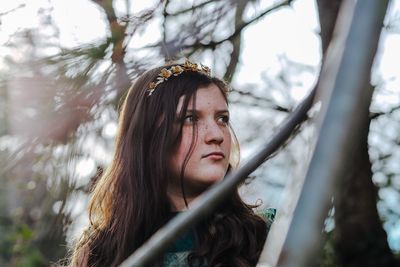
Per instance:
(177,255)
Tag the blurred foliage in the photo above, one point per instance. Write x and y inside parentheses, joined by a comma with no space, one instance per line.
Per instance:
(327,255)
(18,247)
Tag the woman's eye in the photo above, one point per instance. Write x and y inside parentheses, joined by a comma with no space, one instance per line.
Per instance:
(189,119)
(224,119)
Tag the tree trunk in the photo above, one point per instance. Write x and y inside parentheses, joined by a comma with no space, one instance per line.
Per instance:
(359,237)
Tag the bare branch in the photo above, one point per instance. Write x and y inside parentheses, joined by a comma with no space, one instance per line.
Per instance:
(262,99)
(236,42)
(374,115)
(12,10)
(193,8)
(107,6)
(118,33)
(328,11)
(214,44)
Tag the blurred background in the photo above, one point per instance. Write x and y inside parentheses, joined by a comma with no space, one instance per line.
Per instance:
(64,66)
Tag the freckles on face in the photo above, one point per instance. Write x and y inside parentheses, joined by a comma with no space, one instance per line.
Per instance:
(205,142)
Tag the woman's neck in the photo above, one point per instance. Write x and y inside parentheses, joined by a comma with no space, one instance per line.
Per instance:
(178,202)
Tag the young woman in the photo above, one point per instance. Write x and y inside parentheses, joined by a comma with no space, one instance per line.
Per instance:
(174,141)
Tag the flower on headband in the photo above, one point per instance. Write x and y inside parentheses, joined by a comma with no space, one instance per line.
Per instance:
(165,73)
(176,70)
(205,69)
(152,85)
(190,66)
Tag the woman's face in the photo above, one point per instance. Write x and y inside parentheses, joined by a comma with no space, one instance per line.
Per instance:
(209,160)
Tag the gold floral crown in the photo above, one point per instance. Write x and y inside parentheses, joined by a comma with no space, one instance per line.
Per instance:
(176,70)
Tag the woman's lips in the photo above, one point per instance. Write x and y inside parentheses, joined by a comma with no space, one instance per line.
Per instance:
(214,155)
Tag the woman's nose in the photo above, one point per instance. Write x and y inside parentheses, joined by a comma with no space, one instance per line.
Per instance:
(213,133)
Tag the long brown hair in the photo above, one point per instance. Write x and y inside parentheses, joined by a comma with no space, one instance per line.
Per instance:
(129,202)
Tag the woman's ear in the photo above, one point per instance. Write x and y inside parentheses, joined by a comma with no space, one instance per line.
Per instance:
(234,157)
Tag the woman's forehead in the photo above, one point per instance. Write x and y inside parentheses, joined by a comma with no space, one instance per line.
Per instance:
(205,97)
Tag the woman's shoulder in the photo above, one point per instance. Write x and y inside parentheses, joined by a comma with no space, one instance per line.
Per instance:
(268,215)
(175,259)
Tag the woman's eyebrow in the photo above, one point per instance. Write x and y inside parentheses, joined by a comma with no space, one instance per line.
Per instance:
(199,111)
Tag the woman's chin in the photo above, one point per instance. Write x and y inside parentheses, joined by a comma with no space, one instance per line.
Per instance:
(209,181)
(213,177)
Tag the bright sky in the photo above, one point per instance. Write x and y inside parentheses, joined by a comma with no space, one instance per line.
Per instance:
(290,31)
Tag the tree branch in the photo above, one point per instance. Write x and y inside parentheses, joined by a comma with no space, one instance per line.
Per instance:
(193,8)
(214,44)
(374,115)
(118,34)
(261,99)
(236,42)
(12,10)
